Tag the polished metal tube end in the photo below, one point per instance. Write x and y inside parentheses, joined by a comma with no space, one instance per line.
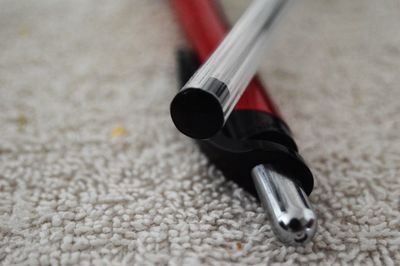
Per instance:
(292,217)
(198,112)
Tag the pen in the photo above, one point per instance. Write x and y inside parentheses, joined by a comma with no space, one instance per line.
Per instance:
(255,147)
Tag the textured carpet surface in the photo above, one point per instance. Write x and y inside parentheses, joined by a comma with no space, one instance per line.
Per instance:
(92,170)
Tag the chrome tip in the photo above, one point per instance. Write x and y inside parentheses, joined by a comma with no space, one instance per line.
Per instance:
(292,217)
(296,227)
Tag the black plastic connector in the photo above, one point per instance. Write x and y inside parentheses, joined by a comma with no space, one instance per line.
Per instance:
(250,138)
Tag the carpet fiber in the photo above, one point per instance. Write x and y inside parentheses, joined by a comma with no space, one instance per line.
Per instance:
(92,170)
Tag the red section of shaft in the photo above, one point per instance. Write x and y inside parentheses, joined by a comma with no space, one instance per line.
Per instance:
(205,27)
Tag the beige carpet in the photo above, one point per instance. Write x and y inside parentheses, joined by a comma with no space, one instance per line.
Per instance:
(92,170)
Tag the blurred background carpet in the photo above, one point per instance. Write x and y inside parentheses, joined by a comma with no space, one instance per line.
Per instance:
(92,170)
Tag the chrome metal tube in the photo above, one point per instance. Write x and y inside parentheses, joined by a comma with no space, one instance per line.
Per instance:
(203,105)
(291,215)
